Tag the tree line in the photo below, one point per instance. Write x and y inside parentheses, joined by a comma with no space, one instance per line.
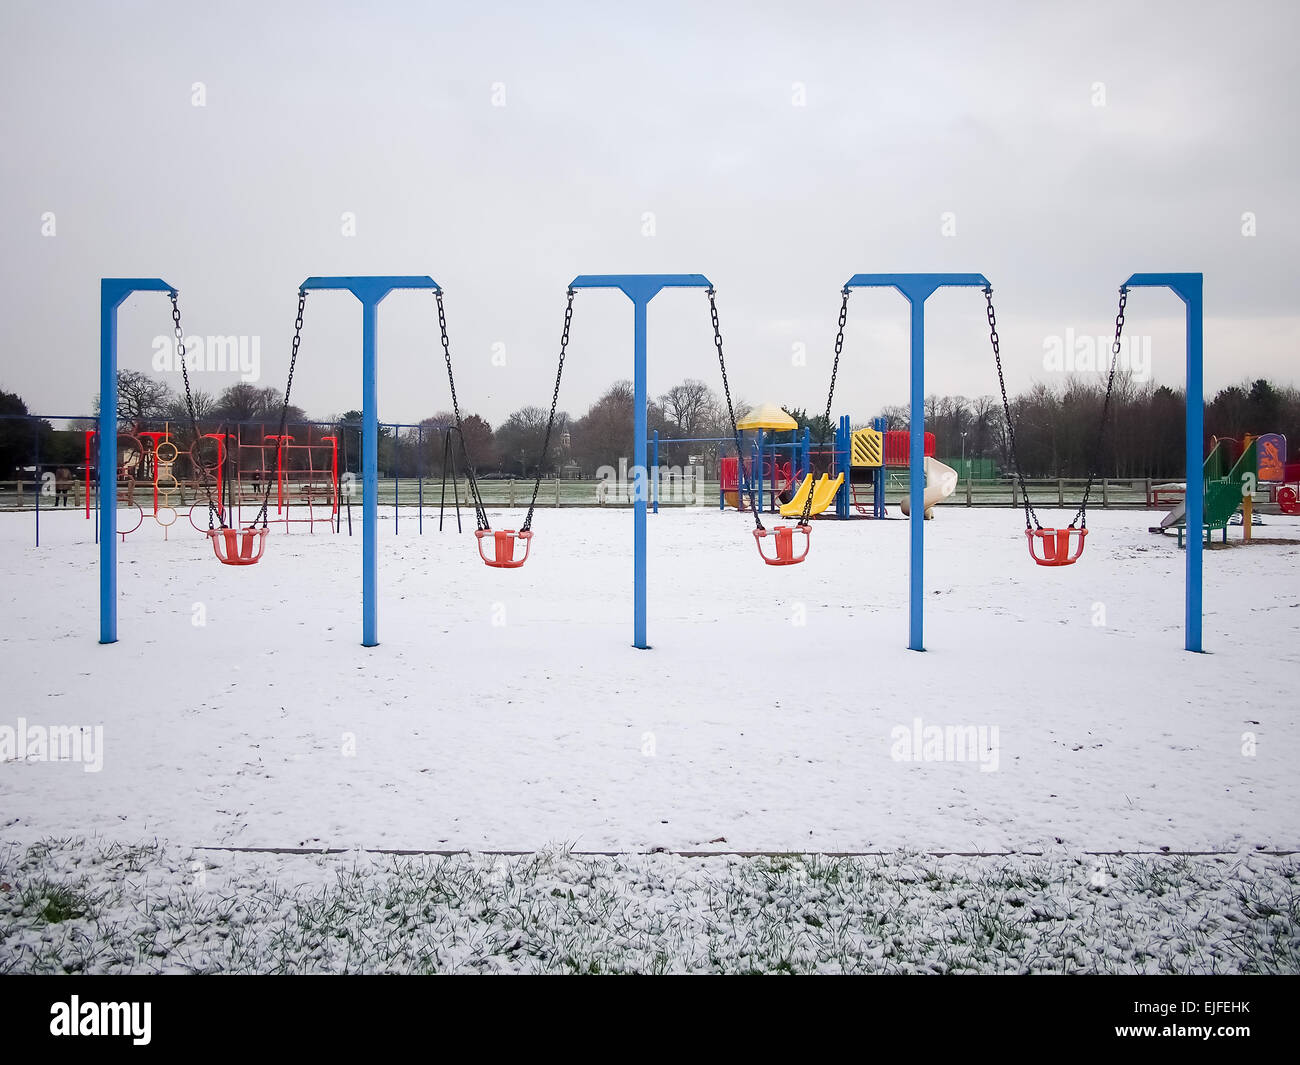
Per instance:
(1056,428)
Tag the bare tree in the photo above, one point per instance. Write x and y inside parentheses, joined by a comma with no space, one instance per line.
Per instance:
(521,437)
(605,433)
(205,408)
(140,398)
(691,406)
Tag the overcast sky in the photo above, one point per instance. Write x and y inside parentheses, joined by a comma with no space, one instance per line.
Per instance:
(779,147)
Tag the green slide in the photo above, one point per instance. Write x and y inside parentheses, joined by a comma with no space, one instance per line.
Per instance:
(1223,492)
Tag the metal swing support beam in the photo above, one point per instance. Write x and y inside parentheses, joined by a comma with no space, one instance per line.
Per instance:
(113,291)
(370,291)
(1190,289)
(916,289)
(640,289)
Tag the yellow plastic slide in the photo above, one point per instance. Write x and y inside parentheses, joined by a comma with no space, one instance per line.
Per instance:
(823,496)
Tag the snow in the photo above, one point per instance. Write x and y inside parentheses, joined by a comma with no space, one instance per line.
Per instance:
(507,710)
(89,907)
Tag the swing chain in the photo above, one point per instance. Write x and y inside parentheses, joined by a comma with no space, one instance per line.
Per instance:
(1030,512)
(284,408)
(1081,518)
(755,505)
(480,514)
(189,406)
(830,396)
(550,421)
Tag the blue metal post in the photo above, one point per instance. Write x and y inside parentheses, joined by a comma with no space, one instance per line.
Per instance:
(758,447)
(1190,289)
(640,289)
(654,473)
(419,476)
(806,464)
(638,473)
(396,467)
(916,289)
(369,475)
(112,291)
(878,478)
(916,479)
(39,485)
(846,458)
(370,291)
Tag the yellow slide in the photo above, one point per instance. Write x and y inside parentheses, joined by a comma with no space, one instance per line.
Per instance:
(823,496)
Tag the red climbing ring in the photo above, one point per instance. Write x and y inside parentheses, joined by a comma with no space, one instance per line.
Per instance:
(238,547)
(1056,547)
(783,541)
(1287,500)
(504,541)
(124,533)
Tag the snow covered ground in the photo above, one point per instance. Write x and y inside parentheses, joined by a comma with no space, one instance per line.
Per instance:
(507,709)
(88,907)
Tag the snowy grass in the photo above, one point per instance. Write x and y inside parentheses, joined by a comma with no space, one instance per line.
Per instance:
(101,907)
(502,712)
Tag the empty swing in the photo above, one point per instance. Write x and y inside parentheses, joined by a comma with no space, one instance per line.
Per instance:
(235,546)
(787,550)
(1056,546)
(500,548)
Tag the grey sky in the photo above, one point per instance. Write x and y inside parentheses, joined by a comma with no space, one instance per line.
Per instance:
(689,111)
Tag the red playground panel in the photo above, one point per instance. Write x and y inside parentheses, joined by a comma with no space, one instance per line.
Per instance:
(897,443)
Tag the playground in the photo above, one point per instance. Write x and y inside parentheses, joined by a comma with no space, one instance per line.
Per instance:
(817,663)
(667,489)
(759,721)
(812,668)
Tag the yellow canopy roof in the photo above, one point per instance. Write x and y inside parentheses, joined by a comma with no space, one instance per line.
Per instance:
(768,416)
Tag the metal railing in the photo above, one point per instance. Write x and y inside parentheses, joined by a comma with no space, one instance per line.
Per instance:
(425,493)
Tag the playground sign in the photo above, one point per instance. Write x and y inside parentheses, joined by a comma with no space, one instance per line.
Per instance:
(1272,457)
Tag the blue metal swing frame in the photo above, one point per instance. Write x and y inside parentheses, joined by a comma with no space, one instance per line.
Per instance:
(370,291)
(640,289)
(916,289)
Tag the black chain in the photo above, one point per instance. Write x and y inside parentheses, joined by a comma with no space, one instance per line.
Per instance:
(830,399)
(480,514)
(550,422)
(284,409)
(194,421)
(1030,513)
(754,504)
(1081,518)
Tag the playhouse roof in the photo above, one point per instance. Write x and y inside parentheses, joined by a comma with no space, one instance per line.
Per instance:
(767,416)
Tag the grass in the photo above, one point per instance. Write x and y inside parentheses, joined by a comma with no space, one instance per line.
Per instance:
(51,903)
(90,906)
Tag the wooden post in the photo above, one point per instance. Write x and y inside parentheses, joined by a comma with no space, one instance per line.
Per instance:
(1060,491)
(512,491)
(1105,492)
(557,490)
(968,488)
